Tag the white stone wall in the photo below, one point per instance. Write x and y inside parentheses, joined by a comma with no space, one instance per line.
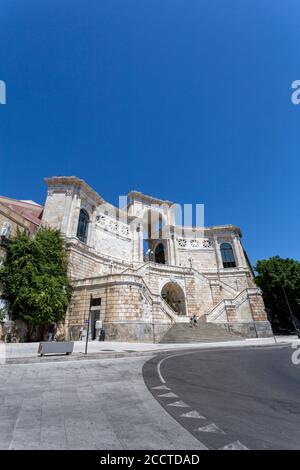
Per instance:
(115,247)
(202,260)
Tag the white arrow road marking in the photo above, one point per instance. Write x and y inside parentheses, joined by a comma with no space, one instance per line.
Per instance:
(211,428)
(169,395)
(192,414)
(237,445)
(161,387)
(180,404)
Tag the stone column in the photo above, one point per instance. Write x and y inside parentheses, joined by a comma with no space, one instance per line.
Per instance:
(170,245)
(65,223)
(91,228)
(136,242)
(243,256)
(237,253)
(218,253)
(74,216)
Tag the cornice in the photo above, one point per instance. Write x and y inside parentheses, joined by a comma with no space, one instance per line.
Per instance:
(150,199)
(75,182)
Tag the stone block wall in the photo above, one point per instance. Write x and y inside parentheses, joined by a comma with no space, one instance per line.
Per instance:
(217,293)
(257,307)
(123,311)
(202,260)
(231,313)
(84,263)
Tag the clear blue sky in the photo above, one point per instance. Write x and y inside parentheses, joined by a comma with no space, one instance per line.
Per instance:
(187,100)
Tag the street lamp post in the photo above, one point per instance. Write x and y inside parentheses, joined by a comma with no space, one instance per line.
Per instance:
(291,313)
(88,326)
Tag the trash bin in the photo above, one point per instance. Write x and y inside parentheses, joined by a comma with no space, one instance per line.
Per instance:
(102,335)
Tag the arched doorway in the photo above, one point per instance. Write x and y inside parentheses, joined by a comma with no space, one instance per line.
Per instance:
(154,246)
(173,294)
(159,254)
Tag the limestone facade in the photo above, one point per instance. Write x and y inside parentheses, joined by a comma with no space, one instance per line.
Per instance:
(144,272)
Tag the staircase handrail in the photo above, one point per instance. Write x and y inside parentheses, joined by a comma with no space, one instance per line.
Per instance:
(242,296)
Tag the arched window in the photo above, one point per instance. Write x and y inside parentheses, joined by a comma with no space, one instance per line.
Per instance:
(159,254)
(83,224)
(227,256)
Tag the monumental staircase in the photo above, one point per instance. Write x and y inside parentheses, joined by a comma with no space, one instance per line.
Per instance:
(203,332)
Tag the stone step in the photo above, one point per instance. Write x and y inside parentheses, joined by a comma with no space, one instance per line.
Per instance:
(204,332)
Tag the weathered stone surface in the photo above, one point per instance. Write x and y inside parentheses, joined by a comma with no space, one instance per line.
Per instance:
(110,265)
(259,329)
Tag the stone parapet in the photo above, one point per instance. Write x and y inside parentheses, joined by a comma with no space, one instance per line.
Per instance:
(257,306)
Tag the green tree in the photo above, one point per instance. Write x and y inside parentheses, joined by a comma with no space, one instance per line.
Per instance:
(33,277)
(279,280)
(2,314)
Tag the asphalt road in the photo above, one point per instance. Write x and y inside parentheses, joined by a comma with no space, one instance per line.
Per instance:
(240,399)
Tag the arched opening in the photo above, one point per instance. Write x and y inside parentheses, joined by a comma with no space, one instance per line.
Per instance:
(159,254)
(83,225)
(153,232)
(227,255)
(173,294)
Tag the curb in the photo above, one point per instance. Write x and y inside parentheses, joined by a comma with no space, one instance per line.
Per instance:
(115,355)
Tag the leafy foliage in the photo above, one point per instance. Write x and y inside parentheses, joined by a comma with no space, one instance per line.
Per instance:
(2,314)
(277,277)
(33,277)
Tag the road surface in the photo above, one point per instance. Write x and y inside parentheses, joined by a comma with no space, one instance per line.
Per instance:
(236,399)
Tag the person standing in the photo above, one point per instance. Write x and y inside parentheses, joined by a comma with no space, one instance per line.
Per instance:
(81,333)
(51,331)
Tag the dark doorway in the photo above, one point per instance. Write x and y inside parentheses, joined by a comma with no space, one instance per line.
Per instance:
(95,315)
(159,254)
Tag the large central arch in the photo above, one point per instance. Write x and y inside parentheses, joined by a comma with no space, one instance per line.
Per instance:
(173,294)
(154,222)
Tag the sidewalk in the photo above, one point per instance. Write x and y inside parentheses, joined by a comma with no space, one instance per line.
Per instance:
(27,352)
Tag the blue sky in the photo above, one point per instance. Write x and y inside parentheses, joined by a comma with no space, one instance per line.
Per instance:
(184,100)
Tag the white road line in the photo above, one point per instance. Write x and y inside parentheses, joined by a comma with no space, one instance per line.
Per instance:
(161,387)
(169,357)
(180,404)
(237,445)
(169,395)
(192,414)
(210,428)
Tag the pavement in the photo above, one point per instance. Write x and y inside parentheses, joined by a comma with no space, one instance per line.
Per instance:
(231,399)
(210,397)
(27,352)
(84,405)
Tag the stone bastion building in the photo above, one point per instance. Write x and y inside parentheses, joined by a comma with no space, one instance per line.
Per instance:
(143,274)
